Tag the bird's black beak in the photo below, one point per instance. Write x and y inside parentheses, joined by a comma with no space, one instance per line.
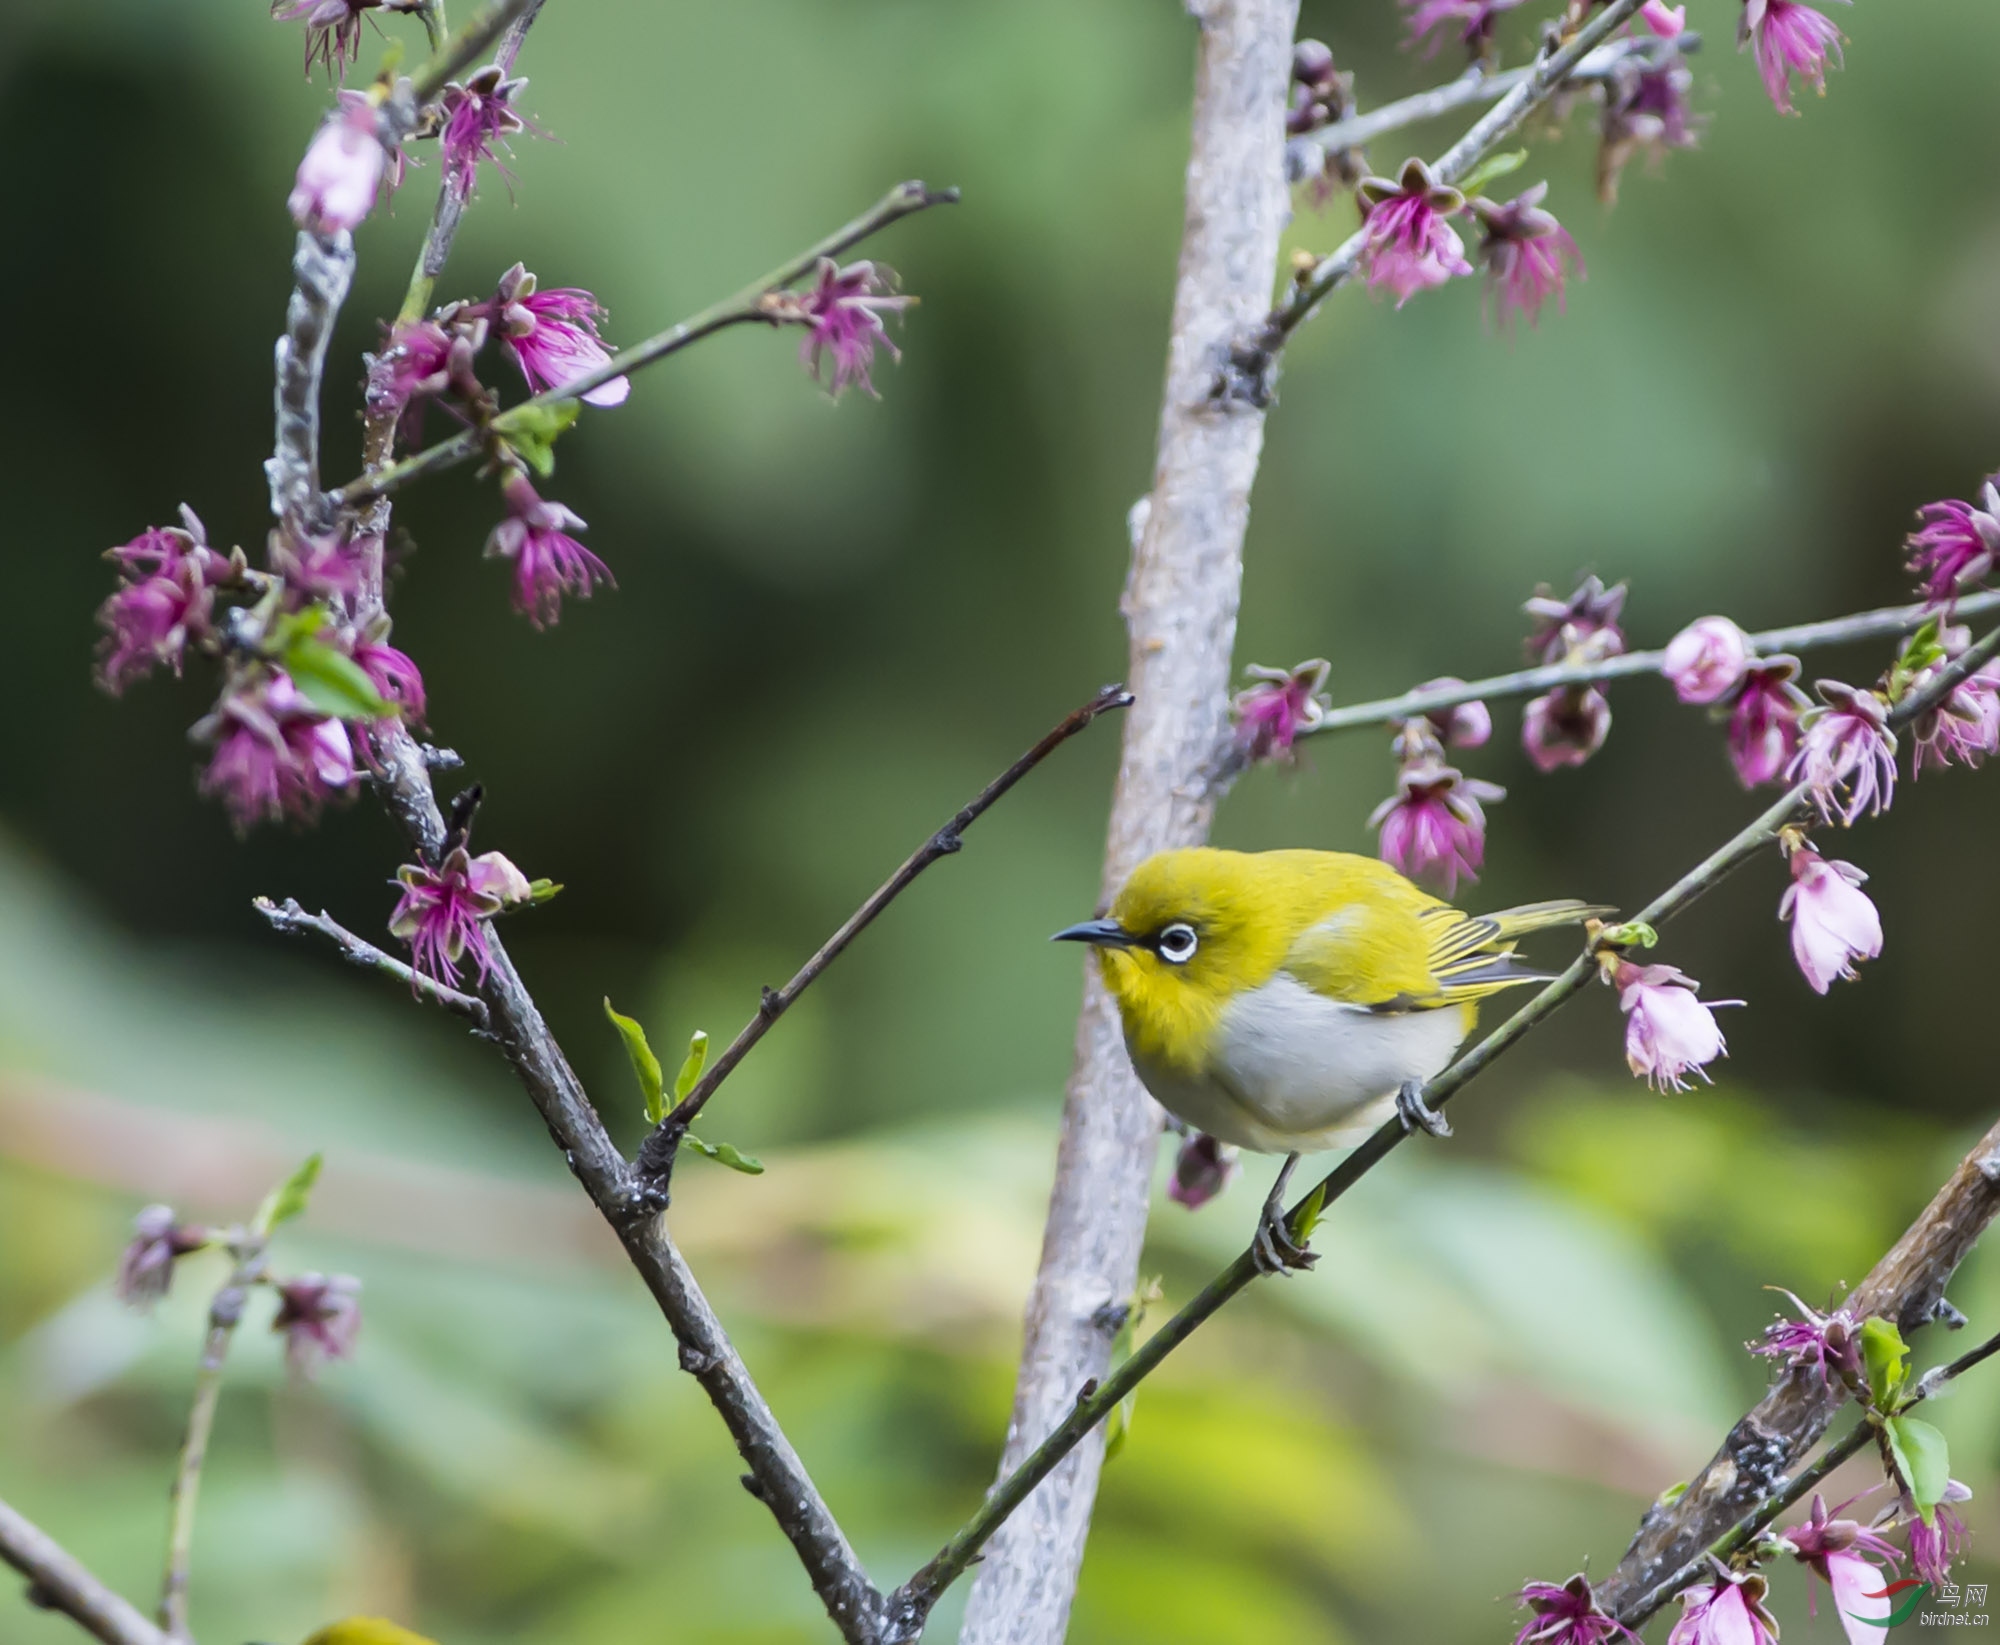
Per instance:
(1099,933)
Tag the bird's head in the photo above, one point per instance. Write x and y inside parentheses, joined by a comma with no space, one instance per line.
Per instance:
(1189,930)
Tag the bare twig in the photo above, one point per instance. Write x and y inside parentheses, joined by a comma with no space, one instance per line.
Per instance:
(656,1155)
(1885,623)
(322,270)
(1913,1304)
(745,306)
(465,47)
(1478,85)
(294,921)
(1179,605)
(225,1313)
(1743,1485)
(59,1581)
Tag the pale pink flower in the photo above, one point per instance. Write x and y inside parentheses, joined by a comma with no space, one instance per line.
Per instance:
(1847,754)
(1474,20)
(1583,628)
(1645,107)
(553,336)
(844,312)
(1729,1611)
(1281,703)
(1566,1614)
(1833,921)
(1434,827)
(333,30)
(1565,726)
(1706,660)
(1668,1031)
(442,911)
(1856,1563)
(320,568)
(275,755)
(319,1316)
(1935,1545)
(1202,1169)
(164,602)
(1956,544)
(548,561)
(342,169)
(394,675)
(1790,38)
(1667,22)
(478,118)
(1764,721)
(1965,727)
(1408,245)
(1463,725)
(1526,254)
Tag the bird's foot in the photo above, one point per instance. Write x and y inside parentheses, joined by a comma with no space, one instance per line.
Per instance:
(1273,1250)
(1416,1114)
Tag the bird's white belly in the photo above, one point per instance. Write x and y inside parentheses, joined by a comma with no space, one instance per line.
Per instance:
(1295,1070)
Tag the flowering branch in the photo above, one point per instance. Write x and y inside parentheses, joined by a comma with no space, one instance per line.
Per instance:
(58,1581)
(1481,85)
(289,918)
(656,1155)
(752,303)
(225,1313)
(1883,623)
(1710,1515)
(1097,1399)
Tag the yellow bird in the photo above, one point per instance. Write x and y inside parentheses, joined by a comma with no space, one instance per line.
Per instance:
(1285,1001)
(366,1630)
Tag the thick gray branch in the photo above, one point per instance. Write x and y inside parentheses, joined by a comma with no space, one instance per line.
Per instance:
(58,1581)
(1905,1286)
(322,270)
(1180,610)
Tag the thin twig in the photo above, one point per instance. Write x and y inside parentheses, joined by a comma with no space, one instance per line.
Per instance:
(466,46)
(1884,623)
(1478,85)
(745,306)
(921,1591)
(59,1581)
(656,1155)
(225,1313)
(294,921)
(322,271)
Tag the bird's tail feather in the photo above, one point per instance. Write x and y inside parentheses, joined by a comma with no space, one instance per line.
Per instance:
(1473,956)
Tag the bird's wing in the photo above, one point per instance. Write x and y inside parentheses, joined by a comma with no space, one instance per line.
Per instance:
(1472,955)
(1373,954)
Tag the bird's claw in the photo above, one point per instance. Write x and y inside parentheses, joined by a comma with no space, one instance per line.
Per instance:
(1416,1114)
(1273,1250)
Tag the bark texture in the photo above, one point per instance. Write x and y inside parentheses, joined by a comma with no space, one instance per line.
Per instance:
(1180,610)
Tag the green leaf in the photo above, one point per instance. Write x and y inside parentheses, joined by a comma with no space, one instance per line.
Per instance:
(289,1199)
(1309,1214)
(1632,934)
(644,1063)
(333,682)
(541,891)
(691,1064)
(725,1154)
(1491,169)
(1923,1460)
(532,431)
(1887,1359)
(1119,1423)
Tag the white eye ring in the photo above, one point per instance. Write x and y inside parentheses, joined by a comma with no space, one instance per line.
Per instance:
(1177,943)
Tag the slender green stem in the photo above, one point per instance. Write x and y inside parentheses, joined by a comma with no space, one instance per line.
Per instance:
(225,1312)
(745,305)
(1884,623)
(1094,1404)
(465,47)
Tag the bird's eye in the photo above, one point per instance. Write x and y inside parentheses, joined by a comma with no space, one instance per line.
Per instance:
(1176,944)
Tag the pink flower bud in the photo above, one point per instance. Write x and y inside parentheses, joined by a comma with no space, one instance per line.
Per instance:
(1666,21)
(1729,1611)
(1833,922)
(342,169)
(1463,725)
(1281,703)
(319,1316)
(1565,727)
(1202,1169)
(548,561)
(1764,723)
(1790,38)
(1706,660)
(1668,1031)
(844,313)
(1527,255)
(1434,828)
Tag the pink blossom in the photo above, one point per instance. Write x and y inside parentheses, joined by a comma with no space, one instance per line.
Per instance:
(1847,754)
(1764,723)
(1566,1614)
(1408,245)
(275,755)
(329,567)
(553,336)
(1565,727)
(844,311)
(394,675)
(1790,38)
(1956,545)
(1525,253)
(319,1316)
(342,170)
(1584,628)
(1463,725)
(442,911)
(1435,825)
(1845,1555)
(1280,704)
(165,601)
(548,561)
(146,1266)
(415,364)
(1475,20)
(1833,922)
(1645,107)
(1667,22)
(478,118)
(1965,727)
(1934,1545)
(333,30)
(1706,660)
(1729,1611)
(1668,1031)
(1202,1169)
(1828,1343)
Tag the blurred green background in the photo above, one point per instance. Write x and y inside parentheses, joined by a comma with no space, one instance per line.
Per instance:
(832,623)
